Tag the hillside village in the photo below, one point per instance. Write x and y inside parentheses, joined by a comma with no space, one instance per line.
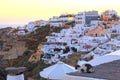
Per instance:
(70,38)
(85,32)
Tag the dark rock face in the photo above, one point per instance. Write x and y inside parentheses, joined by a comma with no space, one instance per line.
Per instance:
(3,74)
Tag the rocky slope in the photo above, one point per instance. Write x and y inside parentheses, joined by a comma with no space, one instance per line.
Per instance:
(32,41)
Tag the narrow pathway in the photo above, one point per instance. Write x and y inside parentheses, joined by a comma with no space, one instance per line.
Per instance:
(36,56)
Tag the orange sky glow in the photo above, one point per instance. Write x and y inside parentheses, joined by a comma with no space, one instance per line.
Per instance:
(23,11)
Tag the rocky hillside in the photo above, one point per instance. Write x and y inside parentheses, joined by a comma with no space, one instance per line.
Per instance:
(32,41)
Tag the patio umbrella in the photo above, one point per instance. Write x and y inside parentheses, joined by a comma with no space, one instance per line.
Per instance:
(57,71)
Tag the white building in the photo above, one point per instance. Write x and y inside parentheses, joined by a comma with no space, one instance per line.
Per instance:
(43,23)
(21,31)
(40,23)
(80,18)
(31,26)
(61,20)
(66,18)
(54,21)
(86,17)
(95,22)
(115,28)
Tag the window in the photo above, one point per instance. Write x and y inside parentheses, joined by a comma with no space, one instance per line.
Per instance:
(114,31)
(80,18)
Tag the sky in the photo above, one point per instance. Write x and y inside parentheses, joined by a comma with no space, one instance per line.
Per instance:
(24,11)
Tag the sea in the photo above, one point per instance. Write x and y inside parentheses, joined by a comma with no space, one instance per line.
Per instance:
(10,25)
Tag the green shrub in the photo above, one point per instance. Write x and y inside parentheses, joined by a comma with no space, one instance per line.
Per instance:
(66,50)
(56,49)
(64,44)
(74,49)
(27,52)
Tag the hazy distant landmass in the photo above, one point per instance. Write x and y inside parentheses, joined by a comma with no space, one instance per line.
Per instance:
(10,25)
